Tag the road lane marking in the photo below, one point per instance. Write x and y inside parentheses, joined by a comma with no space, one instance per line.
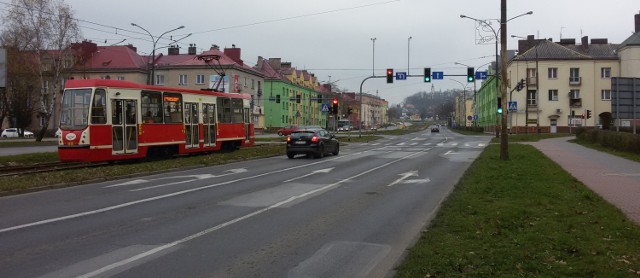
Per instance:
(236,220)
(323,171)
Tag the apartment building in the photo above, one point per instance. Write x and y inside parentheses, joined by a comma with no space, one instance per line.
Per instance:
(567,83)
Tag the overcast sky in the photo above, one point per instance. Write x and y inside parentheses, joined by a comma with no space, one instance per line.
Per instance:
(332,38)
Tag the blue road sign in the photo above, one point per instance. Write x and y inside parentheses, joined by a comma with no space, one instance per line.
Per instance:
(475,117)
(482,75)
(513,106)
(437,75)
(401,75)
(325,107)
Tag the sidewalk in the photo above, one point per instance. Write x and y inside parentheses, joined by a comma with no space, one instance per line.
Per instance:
(616,179)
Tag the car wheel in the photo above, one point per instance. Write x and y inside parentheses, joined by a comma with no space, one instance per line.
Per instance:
(280,133)
(320,153)
(291,155)
(337,150)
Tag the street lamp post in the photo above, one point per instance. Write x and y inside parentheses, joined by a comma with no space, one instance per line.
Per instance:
(496,37)
(408,52)
(373,68)
(151,80)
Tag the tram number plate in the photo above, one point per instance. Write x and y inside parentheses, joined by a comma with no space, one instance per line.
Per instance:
(70,143)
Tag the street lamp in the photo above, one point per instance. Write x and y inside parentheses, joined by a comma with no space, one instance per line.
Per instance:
(373,68)
(153,54)
(408,51)
(485,23)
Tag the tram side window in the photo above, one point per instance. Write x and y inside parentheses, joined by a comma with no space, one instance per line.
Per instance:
(238,116)
(172,103)
(98,115)
(224,110)
(151,106)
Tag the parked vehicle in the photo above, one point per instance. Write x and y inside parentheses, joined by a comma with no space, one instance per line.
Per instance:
(13,133)
(344,128)
(313,142)
(287,130)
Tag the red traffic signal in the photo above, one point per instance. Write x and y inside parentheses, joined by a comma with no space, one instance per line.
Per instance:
(335,101)
(334,109)
(389,75)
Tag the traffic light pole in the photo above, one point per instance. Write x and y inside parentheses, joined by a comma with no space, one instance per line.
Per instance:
(360,121)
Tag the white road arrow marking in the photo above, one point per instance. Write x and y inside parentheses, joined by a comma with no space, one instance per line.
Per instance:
(325,171)
(403,177)
(197,177)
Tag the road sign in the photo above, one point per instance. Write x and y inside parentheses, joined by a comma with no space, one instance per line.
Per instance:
(482,75)
(325,107)
(438,75)
(469,118)
(513,106)
(401,76)
(475,117)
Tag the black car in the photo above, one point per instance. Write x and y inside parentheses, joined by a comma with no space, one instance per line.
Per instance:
(316,142)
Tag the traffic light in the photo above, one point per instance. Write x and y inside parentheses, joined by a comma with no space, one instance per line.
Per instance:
(389,75)
(334,108)
(427,74)
(520,85)
(499,105)
(588,114)
(470,75)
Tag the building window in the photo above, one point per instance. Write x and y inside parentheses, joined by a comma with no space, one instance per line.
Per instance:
(120,78)
(182,79)
(200,79)
(605,94)
(605,72)
(159,79)
(531,98)
(574,75)
(574,94)
(553,73)
(553,95)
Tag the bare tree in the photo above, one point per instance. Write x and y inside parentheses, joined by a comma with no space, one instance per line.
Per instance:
(44,29)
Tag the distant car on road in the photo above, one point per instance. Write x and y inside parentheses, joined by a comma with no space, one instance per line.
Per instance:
(312,141)
(344,128)
(287,130)
(13,133)
(435,129)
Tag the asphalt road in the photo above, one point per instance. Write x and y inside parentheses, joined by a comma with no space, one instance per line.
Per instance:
(351,215)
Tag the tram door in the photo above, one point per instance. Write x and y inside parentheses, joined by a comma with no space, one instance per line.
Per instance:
(209,124)
(191,128)
(124,130)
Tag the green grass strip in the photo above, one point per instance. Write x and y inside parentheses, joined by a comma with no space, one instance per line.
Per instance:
(525,217)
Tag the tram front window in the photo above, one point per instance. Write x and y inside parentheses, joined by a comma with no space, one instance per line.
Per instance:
(75,109)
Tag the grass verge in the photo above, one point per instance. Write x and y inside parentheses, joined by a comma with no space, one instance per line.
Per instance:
(525,217)
(38,181)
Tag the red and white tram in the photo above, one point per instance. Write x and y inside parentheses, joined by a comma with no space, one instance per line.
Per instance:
(105,120)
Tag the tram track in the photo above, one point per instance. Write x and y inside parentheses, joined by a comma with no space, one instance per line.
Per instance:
(19,170)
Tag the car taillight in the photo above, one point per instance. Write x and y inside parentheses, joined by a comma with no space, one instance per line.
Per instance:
(288,139)
(315,139)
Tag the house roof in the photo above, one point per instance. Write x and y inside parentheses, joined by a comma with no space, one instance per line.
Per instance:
(548,50)
(634,39)
(115,57)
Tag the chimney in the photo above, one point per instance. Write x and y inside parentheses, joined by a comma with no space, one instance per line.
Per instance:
(174,50)
(192,49)
(285,65)
(275,63)
(214,47)
(234,54)
(567,41)
(638,23)
(585,43)
(130,46)
(524,45)
(599,41)
(259,63)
